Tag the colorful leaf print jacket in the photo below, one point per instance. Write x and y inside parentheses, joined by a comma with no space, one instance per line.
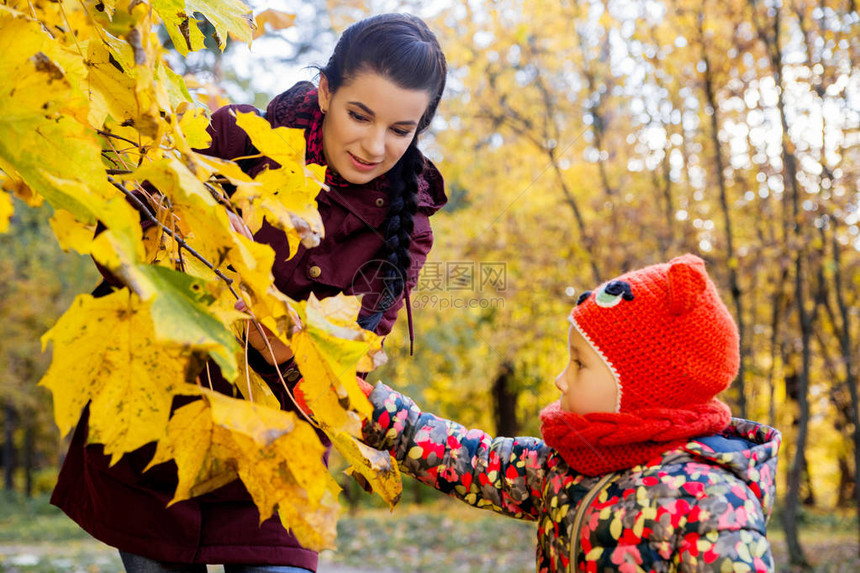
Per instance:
(700,507)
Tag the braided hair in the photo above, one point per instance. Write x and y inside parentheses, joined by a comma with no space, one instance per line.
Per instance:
(402,49)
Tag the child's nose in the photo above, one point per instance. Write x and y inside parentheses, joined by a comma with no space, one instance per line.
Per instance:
(559,382)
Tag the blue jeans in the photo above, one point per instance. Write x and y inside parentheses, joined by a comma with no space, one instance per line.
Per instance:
(137,564)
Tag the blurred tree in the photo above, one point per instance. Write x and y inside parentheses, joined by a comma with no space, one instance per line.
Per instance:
(587,138)
(39,283)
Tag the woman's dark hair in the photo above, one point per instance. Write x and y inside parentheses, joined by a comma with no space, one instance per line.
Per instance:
(402,49)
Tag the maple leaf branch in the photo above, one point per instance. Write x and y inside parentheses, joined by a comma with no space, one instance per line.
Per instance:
(179,240)
(227,280)
(115,136)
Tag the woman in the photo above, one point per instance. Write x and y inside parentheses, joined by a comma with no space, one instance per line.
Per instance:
(377,93)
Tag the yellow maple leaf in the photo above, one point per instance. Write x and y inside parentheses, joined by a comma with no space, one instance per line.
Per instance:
(17,187)
(192,124)
(286,196)
(254,388)
(180,24)
(204,222)
(105,352)
(207,229)
(229,17)
(284,145)
(278,457)
(110,83)
(274,20)
(177,90)
(327,350)
(206,165)
(375,466)
(314,529)
(71,233)
(226,16)
(44,141)
(189,441)
(6,211)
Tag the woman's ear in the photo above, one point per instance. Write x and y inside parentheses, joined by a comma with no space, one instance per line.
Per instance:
(324,95)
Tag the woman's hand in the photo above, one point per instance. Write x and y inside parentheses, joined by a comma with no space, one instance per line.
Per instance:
(279,352)
(239,225)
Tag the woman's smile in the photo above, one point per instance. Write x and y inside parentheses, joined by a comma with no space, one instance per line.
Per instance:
(363,165)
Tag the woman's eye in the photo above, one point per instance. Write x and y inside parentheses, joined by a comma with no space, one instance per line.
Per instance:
(401,132)
(357,116)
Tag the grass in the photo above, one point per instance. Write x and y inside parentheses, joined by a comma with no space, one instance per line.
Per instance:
(441,535)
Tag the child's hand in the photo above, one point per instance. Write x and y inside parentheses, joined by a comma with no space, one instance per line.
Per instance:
(364,385)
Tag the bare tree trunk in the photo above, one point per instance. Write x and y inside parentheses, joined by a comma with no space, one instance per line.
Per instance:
(29,456)
(846,346)
(9,420)
(796,468)
(768,29)
(734,286)
(845,491)
(505,403)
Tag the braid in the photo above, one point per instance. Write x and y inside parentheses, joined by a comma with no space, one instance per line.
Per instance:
(398,226)
(403,203)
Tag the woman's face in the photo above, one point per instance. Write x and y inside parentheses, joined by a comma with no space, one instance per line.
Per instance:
(369,123)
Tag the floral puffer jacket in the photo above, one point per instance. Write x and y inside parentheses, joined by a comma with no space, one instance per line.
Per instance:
(700,507)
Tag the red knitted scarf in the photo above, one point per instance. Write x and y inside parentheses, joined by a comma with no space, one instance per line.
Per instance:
(599,443)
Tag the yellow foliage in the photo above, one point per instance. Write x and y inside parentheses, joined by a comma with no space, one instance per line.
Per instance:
(105,352)
(374,466)
(275,19)
(217,439)
(286,196)
(89,111)
(6,211)
(327,349)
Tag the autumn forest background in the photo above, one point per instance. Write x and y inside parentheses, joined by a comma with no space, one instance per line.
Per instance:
(578,140)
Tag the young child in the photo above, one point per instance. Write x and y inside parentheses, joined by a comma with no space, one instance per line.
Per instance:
(640,468)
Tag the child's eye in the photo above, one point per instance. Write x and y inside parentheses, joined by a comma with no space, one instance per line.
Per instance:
(577,362)
(357,116)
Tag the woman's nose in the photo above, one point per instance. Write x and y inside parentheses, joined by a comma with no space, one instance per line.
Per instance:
(374,144)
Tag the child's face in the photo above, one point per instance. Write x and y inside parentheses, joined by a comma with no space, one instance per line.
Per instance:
(587,384)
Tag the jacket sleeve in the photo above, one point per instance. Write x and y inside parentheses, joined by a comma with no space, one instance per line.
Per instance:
(501,474)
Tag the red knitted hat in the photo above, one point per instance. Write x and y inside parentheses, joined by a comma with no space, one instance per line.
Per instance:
(672,346)
(664,332)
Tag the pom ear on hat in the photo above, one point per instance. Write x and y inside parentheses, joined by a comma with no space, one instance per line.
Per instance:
(687,282)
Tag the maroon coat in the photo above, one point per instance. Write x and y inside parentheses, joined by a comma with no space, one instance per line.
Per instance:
(125,507)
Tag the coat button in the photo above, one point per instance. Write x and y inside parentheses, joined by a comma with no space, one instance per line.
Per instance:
(314,272)
(292,375)
(380,202)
